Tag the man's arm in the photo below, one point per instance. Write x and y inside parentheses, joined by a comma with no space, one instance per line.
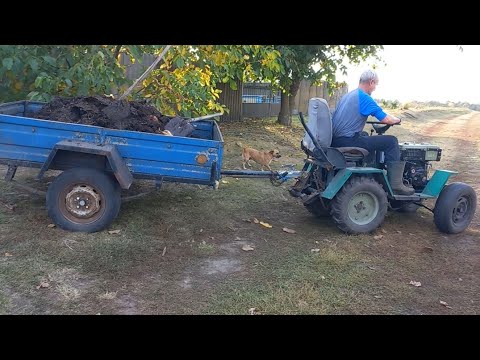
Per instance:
(390,120)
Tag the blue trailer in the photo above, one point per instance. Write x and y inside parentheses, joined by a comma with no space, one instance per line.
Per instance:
(98,162)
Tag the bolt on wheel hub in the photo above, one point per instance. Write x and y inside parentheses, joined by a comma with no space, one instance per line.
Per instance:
(82,201)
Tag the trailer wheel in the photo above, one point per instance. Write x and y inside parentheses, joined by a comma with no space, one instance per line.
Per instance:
(455,208)
(360,206)
(83,199)
(316,208)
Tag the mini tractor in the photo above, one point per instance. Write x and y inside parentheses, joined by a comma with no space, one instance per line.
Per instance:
(353,186)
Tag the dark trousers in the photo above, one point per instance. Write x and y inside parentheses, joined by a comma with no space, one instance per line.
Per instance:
(386,143)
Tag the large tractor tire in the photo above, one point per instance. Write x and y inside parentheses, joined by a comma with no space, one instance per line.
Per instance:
(83,199)
(455,208)
(360,206)
(317,209)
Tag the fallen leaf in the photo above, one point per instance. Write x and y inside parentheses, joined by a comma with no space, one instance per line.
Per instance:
(237,178)
(267,225)
(255,220)
(459,279)
(224,182)
(377,297)
(253,311)
(10,207)
(322,277)
(399,232)
(43,284)
(237,238)
(372,268)
(201,230)
(415,283)
(112,232)
(384,231)
(290,231)
(315,250)
(427,249)
(378,237)
(445,304)
(8,254)
(247,248)
(164,251)
(51,225)
(411,234)
(188,198)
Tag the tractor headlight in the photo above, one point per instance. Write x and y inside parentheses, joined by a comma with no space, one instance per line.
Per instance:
(431,155)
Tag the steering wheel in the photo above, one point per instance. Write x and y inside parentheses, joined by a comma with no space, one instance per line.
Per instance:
(381,128)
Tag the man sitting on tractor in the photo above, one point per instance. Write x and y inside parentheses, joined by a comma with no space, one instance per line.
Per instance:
(349,120)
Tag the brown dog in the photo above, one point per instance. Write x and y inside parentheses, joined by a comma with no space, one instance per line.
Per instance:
(263,158)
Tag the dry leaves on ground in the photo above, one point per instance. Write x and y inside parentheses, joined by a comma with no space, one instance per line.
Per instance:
(415,283)
(247,248)
(444,303)
(51,225)
(267,225)
(43,284)
(290,231)
(112,232)
(253,311)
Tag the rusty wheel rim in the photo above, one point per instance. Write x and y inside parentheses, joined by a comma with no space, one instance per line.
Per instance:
(82,203)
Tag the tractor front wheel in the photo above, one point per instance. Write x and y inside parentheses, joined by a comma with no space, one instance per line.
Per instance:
(455,208)
(360,206)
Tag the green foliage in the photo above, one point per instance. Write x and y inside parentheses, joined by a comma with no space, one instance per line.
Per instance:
(39,72)
(299,61)
(186,82)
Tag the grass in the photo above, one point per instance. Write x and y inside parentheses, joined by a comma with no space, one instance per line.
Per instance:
(179,251)
(317,283)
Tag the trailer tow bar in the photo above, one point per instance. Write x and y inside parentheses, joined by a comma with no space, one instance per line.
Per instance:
(277,178)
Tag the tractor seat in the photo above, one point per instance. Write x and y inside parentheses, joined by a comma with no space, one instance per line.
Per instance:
(320,124)
(353,153)
(349,153)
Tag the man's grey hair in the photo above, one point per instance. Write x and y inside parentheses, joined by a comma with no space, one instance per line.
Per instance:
(367,76)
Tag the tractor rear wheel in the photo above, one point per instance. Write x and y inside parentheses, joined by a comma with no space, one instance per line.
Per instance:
(455,208)
(360,206)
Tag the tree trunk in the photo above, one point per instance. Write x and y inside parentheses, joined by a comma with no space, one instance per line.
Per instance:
(284,117)
(288,104)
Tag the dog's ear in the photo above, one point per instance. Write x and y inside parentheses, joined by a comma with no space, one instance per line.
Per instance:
(271,152)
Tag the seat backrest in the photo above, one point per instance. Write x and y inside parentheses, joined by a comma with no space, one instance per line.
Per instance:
(319,123)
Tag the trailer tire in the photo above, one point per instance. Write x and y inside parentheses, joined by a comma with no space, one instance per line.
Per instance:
(83,199)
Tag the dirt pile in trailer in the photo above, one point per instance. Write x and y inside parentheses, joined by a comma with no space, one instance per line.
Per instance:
(114,114)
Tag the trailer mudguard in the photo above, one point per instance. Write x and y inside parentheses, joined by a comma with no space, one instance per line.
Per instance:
(110,152)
